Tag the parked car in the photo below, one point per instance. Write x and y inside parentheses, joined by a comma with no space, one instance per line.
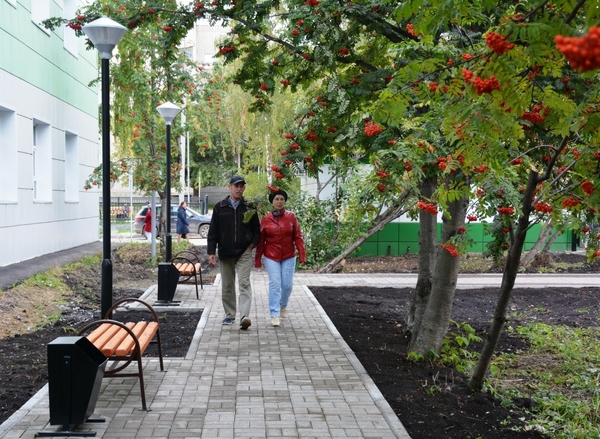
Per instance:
(198,223)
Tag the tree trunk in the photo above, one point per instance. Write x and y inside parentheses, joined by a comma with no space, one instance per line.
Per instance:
(538,247)
(381,221)
(511,269)
(427,250)
(550,241)
(436,318)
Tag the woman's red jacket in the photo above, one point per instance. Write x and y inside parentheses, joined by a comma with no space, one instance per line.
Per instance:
(280,237)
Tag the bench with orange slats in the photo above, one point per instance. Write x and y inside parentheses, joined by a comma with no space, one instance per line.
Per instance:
(189,266)
(124,343)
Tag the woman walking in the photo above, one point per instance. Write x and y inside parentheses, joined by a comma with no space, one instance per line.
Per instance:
(280,239)
(183,225)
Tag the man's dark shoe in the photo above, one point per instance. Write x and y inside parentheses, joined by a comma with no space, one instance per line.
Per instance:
(228,321)
(245,322)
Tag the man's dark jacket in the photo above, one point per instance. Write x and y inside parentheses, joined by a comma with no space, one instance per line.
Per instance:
(230,232)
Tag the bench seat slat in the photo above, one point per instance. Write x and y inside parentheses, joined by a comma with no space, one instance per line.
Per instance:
(110,346)
(105,337)
(146,337)
(140,330)
(98,332)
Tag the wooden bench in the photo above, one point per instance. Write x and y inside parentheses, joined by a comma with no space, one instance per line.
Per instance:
(124,343)
(189,266)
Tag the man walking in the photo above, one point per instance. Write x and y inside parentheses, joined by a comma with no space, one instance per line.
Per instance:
(235,237)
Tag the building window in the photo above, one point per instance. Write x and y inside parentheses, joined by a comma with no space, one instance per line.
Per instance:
(71,167)
(70,40)
(8,155)
(189,52)
(42,161)
(40,10)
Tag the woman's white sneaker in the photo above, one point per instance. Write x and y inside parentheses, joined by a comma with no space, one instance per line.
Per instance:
(275,321)
(283,313)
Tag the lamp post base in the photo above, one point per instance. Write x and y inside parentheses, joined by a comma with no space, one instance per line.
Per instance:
(168,247)
(106,288)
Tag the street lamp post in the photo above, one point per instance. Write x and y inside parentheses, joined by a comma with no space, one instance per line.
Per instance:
(168,111)
(105,34)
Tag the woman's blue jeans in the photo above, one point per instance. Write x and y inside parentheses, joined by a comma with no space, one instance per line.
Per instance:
(281,281)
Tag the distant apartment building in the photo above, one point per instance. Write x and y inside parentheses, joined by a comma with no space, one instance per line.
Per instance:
(48,133)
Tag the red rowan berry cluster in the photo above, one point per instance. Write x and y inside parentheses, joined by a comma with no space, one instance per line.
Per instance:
(427,207)
(372,129)
(543,208)
(535,118)
(322,101)
(381,187)
(441,163)
(516,161)
(294,146)
(575,153)
(481,169)
(570,202)
(506,210)
(289,136)
(450,249)
(226,49)
(382,174)
(586,229)
(467,75)
(536,115)
(471,217)
(312,137)
(587,187)
(498,43)
(272,188)
(583,53)
(410,29)
(285,82)
(486,85)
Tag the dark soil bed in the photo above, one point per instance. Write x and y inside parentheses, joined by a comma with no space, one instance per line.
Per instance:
(371,320)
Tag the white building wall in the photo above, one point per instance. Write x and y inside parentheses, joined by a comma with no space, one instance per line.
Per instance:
(41,80)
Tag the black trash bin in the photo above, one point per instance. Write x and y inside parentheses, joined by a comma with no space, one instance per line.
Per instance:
(168,277)
(75,371)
